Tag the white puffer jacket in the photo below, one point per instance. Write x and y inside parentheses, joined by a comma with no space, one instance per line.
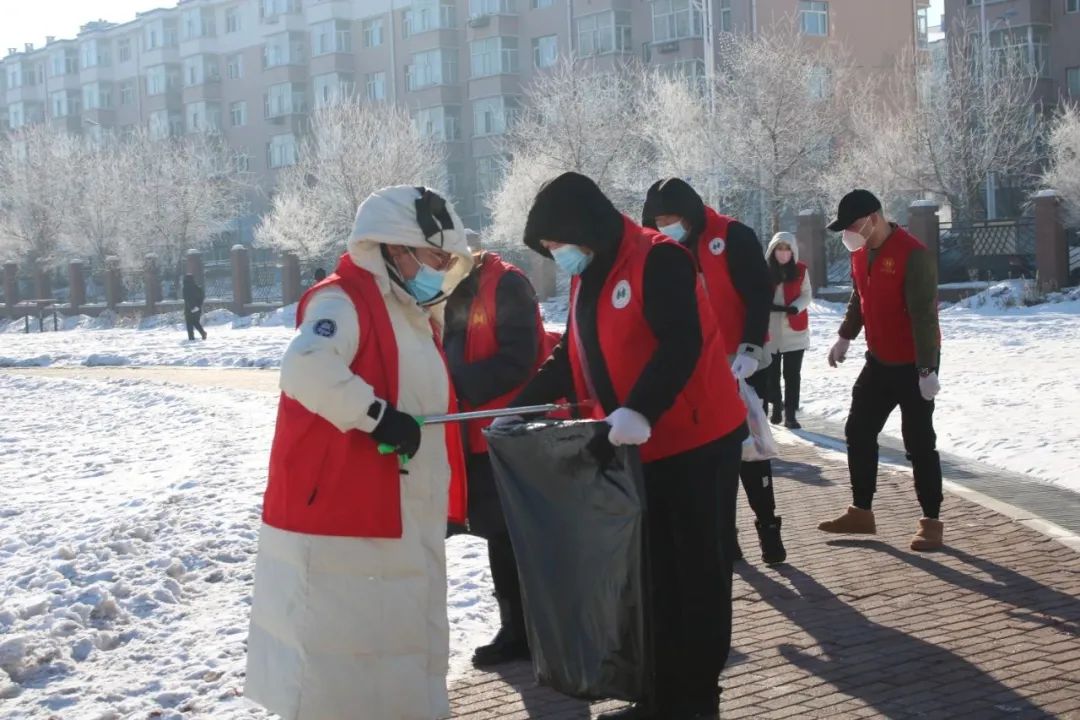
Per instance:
(356,628)
(782,338)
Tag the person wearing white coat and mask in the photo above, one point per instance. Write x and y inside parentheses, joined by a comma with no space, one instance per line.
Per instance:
(348,618)
(789,326)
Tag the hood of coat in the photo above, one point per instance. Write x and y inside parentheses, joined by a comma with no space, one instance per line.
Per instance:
(673,196)
(785,238)
(572,209)
(389,217)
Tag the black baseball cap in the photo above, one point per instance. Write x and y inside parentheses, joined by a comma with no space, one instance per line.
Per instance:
(856,204)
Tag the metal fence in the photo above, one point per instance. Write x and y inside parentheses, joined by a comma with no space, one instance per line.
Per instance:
(218,282)
(266,283)
(1073,245)
(837,261)
(134,286)
(95,278)
(995,250)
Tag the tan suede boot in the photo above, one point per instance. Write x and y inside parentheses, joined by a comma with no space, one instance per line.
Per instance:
(855,521)
(930,536)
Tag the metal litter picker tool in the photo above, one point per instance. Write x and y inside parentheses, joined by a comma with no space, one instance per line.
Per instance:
(385,449)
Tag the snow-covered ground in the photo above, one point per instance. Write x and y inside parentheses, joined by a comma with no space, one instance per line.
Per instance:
(127,538)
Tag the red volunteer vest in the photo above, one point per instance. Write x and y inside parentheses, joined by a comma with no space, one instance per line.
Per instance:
(326,482)
(481,341)
(727,306)
(792,291)
(881,293)
(708,408)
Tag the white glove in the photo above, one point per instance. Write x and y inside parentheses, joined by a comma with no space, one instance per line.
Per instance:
(838,353)
(743,366)
(196,309)
(628,428)
(507,420)
(929,386)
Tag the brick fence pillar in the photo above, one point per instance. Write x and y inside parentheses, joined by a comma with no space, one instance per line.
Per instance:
(1051,249)
(811,236)
(241,278)
(194,267)
(925,224)
(76,284)
(152,275)
(290,279)
(11,284)
(114,283)
(42,282)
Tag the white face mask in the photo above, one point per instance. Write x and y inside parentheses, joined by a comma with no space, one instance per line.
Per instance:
(852,239)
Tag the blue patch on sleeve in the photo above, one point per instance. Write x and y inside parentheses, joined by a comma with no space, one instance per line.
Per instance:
(326,328)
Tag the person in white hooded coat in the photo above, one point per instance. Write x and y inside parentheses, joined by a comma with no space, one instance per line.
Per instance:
(348,617)
(789,326)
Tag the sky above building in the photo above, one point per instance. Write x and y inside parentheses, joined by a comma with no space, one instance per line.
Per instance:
(29,21)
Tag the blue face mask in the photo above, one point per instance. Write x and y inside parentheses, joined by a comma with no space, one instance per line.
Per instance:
(427,284)
(675,231)
(571,259)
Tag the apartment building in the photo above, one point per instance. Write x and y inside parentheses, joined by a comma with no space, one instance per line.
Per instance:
(1045,33)
(253,70)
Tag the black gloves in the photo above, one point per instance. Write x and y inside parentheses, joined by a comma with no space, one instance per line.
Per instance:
(789,309)
(398,430)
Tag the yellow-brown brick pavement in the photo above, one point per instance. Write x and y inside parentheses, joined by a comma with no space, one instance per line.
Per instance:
(861,628)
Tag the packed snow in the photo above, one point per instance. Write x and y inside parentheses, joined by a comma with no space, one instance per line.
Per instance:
(127,538)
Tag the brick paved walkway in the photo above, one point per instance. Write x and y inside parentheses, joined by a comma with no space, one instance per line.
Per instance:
(860,628)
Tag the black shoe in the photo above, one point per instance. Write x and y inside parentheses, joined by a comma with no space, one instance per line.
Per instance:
(509,644)
(736,552)
(772,547)
(776,417)
(791,423)
(637,711)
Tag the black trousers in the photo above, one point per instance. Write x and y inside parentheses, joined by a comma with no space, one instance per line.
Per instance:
(690,502)
(192,320)
(792,372)
(878,391)
(756,476)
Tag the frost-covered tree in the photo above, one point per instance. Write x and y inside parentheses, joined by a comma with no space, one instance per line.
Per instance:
(351,151)
(101,219)
(573,118)
(36,194)
(187,191)
(781,102)
(1063,173)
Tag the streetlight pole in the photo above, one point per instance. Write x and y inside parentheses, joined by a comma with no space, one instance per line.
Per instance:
(991,195)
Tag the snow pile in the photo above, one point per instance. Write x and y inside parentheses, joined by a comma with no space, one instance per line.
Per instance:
(127,566)
(1013,294)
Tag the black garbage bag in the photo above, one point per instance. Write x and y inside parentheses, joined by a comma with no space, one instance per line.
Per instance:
(575,509)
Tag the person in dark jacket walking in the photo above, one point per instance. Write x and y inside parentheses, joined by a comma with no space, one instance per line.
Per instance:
(193,301)
(493,339)
(895,300)
(643,348)
(736,276)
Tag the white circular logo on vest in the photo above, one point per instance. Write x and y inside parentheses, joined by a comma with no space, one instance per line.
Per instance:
(716,246)
(620,297)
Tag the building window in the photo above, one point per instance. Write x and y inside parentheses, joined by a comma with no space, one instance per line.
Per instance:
(675,20)
(818,82)
(373,32)
(439,123)
(604,33)
(492,115)
(233,23)
(1072,6)
(284,49)
(96,97)
(285,99)
(243,163)
(488,173)
(545,51)
(95,53)
(234,67)
(493,56)
(1072,81)
(331,88)
(238,114)
(541,4)
(427,15)
(200,69)
(123,49)
(434,67)
(59,104)
(814,17)
(270,8)
(376,87)
(198,23)
(281,152)
(127,93)
(479,8)
(332,36)
(726,23)
(1028,46)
